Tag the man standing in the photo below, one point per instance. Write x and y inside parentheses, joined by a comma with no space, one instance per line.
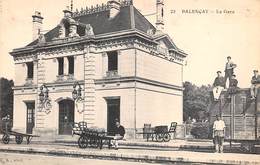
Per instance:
(119,133)
(218,134)
(229,69)
(219,85)
(255,81)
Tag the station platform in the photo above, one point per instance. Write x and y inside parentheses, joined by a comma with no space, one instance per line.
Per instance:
(175,151)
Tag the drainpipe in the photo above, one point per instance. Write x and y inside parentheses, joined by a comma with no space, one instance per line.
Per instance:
(135,94)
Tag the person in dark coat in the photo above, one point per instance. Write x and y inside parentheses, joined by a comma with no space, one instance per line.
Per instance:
(255,84)
(233,85)
(218,85)
(119,133)
(229,70)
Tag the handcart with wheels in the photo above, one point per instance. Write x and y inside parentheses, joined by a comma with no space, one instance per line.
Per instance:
(18,137)
(160,133)
(90,137)
(7,133)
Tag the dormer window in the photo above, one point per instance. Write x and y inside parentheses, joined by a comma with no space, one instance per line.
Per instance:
(29,70)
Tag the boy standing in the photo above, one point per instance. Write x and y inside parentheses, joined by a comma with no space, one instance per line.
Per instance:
(218,134)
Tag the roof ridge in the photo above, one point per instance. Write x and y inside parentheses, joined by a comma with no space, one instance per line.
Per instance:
(99,8)
(91,10)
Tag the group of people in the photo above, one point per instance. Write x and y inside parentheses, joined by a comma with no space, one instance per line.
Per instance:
(219,85)
(220,82)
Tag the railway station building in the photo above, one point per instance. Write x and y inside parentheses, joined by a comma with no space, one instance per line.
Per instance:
(99,64)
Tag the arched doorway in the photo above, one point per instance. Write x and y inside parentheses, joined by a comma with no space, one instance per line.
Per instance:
(66,116)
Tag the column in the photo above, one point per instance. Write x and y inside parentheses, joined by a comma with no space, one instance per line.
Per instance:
(89,75)
(39,115)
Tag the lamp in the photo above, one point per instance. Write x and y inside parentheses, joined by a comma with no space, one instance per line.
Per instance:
(45,102)
(76,93)
(41,96)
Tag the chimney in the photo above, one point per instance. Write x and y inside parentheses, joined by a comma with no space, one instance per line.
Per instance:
(159,15)
(114,7)
(67,12)
(37,24)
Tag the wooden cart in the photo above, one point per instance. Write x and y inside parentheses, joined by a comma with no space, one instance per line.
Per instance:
(18,137)
(90,137)
(160,133)
(7,133)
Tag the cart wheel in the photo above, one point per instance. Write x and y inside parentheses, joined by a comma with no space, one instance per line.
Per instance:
(159,137)
(5,139)
(83,142)
(167,137)
(18,139)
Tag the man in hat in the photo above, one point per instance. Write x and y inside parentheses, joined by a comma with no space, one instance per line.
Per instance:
(119,133)
(229,69)
(255,81)
(218,134)
(219,85)
(233,84)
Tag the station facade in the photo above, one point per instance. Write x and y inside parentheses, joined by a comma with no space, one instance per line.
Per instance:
(99,64)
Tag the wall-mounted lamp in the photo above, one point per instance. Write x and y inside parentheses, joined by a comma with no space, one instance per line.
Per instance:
(45,102)
(76,93)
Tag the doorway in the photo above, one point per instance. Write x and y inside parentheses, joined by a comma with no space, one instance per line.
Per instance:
(113,113)
(30,117)
(66,116)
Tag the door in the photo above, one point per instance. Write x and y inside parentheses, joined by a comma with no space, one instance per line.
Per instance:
(30,117)
(66,116)
(113,113)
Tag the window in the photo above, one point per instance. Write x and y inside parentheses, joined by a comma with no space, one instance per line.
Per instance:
(162,12)
(112,61)
(60,66)
(71,64)
(29,70)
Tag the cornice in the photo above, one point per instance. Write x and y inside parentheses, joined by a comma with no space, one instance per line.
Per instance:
(130,39)
(49,85)
(138,79)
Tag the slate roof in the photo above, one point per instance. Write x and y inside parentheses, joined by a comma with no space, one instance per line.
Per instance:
(128,18)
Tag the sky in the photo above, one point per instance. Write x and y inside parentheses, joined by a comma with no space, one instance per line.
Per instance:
(207,37)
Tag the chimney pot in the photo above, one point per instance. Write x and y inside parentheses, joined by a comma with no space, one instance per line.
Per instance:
(160,15)
(37,24)
(114,7)
(67,12)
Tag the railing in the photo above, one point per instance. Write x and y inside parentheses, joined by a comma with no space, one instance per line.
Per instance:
(112,74)
(69,77)
(29,81)
(60,78)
